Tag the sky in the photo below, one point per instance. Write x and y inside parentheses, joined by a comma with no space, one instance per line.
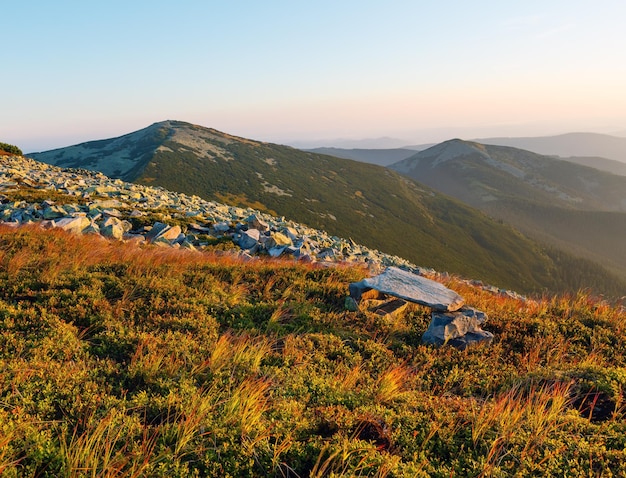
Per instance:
(310,73)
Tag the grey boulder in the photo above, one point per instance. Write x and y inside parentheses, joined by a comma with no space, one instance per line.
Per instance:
(459,329)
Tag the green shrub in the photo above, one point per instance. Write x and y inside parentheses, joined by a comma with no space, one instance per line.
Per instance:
(9,148)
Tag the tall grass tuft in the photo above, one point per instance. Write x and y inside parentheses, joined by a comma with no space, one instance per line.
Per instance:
(535,412)
(232,352)
(246,405)
(191,422)
(104,449)
(392,383)
(353,459)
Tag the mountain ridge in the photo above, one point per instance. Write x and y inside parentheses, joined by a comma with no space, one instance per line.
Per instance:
(373,205)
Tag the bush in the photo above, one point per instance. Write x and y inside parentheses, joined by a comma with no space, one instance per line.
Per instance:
(9,148)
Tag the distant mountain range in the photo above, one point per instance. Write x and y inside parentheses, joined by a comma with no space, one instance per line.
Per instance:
(567,145)
(600,151)
(384,142)
(577,208)
(376,206)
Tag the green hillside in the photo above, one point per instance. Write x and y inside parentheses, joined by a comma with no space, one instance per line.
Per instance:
(374,206)
(573,207)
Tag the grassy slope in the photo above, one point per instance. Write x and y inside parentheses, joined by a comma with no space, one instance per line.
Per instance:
(597,235)
(374,206)
(118,360)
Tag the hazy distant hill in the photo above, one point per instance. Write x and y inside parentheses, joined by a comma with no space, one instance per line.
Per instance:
(603,152)
(570,144)
(384,142)
(382,157)
(576,207)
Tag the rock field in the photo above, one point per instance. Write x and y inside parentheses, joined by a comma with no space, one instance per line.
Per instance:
(107,206)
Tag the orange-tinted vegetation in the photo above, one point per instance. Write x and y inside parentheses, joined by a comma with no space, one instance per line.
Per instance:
(127,360)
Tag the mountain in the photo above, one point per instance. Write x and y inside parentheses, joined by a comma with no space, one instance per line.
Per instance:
(574,207)
(375,206)
(566,145)
(382,157)
(560,146)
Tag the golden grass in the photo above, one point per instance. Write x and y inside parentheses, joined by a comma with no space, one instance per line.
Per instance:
(129,360)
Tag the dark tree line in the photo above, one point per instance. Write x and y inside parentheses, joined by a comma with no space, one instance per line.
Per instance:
(9,148)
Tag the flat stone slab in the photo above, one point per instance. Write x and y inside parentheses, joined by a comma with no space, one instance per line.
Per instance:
(412,287)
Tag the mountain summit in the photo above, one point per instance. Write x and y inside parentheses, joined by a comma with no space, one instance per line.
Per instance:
(479,173)
(125,157)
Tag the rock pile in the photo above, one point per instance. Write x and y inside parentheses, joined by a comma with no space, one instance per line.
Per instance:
(451,322)
(109,207)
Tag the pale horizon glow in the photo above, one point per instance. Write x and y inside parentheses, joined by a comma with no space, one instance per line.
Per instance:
(291,73)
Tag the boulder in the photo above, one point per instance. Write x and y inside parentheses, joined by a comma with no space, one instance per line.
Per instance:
(276,251)
(112,227)
(163,233)
(391,308)
(255,222)
(278,239)
(54,212)
(459,329)
(92,228)
(249,239)
(73,224)
(156,229)
(221,227)
(171,233)
(112,213)
(411,287)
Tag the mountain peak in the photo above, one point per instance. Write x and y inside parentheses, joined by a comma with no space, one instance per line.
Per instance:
(449,150)
(182,131)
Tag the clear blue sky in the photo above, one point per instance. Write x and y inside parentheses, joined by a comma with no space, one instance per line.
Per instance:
(292,70)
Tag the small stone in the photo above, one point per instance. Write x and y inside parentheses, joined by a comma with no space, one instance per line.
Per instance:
(350,304)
